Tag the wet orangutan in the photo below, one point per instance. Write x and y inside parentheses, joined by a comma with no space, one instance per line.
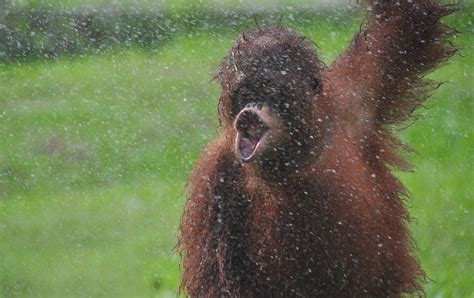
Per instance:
(296,197)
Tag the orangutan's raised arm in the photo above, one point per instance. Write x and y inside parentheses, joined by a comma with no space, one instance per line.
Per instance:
(378,79)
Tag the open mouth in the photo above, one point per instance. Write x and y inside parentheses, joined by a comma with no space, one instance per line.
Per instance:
(251,130)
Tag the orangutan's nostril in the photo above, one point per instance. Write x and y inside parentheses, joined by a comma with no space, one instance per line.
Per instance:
(250,105)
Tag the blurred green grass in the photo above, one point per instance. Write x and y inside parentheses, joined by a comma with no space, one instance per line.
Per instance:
(186,4)
(95,152)
(168,4)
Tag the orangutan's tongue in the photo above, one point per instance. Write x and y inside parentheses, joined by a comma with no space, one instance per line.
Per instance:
(247,146)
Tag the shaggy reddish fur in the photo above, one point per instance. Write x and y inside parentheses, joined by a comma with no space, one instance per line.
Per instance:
(322,215)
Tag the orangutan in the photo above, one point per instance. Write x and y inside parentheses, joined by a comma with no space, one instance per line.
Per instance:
(296,196)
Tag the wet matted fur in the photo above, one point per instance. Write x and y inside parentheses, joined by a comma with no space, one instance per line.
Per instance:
(319,213)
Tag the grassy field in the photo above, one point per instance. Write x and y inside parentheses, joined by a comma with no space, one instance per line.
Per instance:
(95,152)
(173,4)
(186,4)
